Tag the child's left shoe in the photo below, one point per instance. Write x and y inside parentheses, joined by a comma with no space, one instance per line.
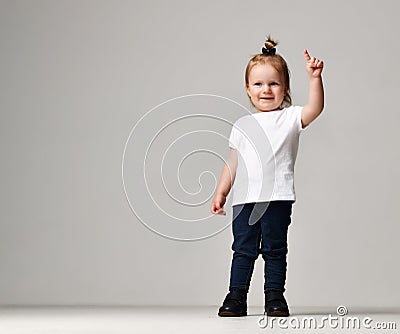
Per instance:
(275,304)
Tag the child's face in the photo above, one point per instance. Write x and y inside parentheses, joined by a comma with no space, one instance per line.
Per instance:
(266,88)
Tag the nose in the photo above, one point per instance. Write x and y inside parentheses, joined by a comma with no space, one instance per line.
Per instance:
(267,88)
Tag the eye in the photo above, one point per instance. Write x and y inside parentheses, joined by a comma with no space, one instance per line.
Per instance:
(274,83)
(258,84)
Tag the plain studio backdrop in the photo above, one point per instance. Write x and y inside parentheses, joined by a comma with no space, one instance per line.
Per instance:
(77,76)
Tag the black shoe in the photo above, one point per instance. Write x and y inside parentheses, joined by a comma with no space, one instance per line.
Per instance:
(275,304)
(235,304)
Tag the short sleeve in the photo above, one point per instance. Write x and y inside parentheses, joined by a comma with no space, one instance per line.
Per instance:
(234,137)
(297,113)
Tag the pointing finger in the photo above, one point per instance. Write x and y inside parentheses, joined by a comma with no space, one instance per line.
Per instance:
(306,54)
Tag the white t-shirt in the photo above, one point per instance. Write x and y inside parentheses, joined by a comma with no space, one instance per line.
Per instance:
(267,144)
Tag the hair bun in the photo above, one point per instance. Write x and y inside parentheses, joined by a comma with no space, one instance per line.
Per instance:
(269,47)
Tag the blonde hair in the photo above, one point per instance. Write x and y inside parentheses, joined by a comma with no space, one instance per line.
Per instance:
(277,62)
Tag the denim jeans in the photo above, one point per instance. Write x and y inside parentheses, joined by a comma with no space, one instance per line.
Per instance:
(267,234)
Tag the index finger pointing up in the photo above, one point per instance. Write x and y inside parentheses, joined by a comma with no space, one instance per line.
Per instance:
(306,54)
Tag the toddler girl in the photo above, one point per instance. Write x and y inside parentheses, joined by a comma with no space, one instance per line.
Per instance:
(260,168)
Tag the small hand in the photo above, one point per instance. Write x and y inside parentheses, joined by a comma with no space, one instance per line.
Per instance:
(314,66)
(217,206)
(221,212)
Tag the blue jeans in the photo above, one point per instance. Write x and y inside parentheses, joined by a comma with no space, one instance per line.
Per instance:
(265,234)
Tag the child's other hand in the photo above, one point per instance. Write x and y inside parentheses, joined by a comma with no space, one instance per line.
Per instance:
(217,206)
(314,66)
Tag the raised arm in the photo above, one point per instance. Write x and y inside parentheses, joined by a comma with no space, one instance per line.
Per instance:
(225,183)
(315,103)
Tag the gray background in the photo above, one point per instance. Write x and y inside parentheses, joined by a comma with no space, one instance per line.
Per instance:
(75,78)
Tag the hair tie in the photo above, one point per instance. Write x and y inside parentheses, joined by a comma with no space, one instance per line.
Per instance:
(268,51)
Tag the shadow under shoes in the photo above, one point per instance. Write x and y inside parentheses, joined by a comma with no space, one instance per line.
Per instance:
(275,304)
(234,305)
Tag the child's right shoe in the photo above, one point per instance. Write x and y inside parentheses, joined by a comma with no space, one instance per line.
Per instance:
(234,305)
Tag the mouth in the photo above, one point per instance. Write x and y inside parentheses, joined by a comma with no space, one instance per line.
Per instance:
(267,98)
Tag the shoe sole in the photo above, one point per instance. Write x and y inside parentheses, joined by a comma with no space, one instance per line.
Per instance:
(231,314)
(277,314)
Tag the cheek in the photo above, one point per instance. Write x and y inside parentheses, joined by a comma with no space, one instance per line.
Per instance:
(282,92)
(253,92)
